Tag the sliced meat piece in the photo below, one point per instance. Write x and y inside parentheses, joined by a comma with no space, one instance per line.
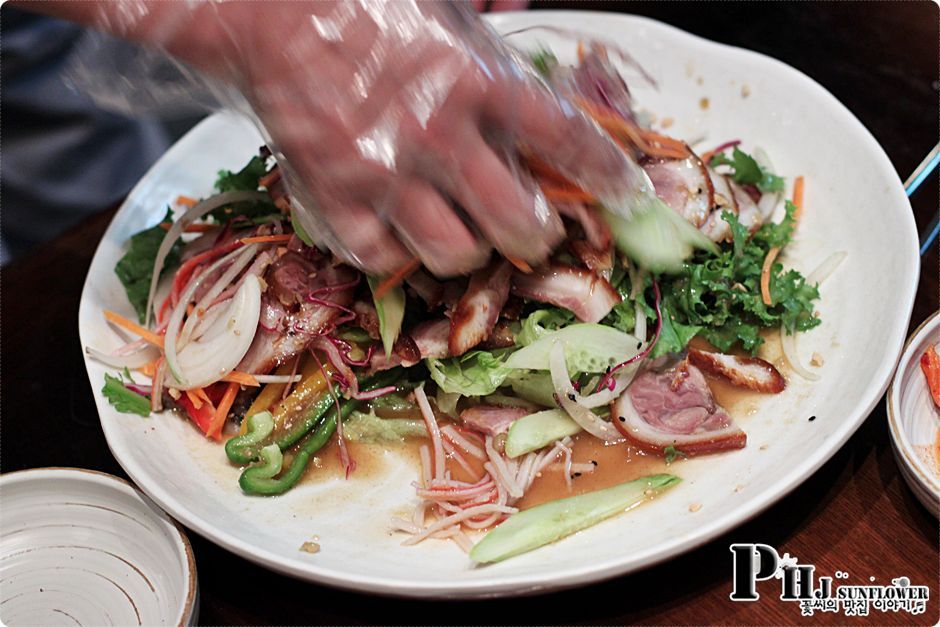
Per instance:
(675,408)
(752,373)
(512,310)
(367,318)
(684,185)
(425,286)
(596,80)
(300,322)
(492,419)
(596,230)
(599,260)
(587,295)
(478,309)
(429,337)
(291,277)
(745,207)
(500,337)
(714,227)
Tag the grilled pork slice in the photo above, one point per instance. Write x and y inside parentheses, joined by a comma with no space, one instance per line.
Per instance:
(675,408)
(492,419)
(476,312)
(587,295)
(752,373)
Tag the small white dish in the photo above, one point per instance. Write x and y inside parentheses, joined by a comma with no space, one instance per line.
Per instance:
(914,419)
(83,547)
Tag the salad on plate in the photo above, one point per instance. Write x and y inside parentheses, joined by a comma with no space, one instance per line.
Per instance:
(539,400)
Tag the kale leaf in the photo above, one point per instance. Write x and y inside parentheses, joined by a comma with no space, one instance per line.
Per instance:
(747,171)
(135,268)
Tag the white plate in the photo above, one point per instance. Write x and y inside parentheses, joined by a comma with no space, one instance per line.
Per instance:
(914,419)
(854,203)
(82,547)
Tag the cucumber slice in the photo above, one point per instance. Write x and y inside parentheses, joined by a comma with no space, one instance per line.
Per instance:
(391,311)
(533,386)
(534,431)
(588,348)
(656,237)
(532,528)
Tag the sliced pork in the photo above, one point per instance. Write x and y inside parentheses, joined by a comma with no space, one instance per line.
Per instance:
(587,295)
(478,309)
(286,328)
(684,185)
(492,419)
(675,408)
(430,338)
(752,373)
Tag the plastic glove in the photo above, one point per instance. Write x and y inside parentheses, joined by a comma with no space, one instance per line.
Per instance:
(397,124)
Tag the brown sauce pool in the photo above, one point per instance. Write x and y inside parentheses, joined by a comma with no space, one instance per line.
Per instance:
(616,463)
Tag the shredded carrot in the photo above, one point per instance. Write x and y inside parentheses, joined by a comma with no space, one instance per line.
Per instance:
(194,398)
(263,239)
(396,278)
(563,194)
(544,171)
(133,327)
(650,142)
(520,264)
(186,201)
(798,197)
(773,252)
(149,369)
(765,275)
(191,228)
(242,378)
(221,412)
(580,52)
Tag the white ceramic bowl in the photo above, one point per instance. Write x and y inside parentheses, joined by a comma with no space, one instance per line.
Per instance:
(852,204)
(914,419)
(84,547)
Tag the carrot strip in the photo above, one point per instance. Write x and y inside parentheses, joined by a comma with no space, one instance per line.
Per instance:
(543,170)
(221,412)
(520,264)
(192,228)
(616,126)
(798,197)
(186,201)
(765,275)
(798,187)
(396,278)
(263,239)
(194,398)
(561,194)
(242,378)
(133,327)
(580,52)
(149,369)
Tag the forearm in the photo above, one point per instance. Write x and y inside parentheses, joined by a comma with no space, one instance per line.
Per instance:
(206,35)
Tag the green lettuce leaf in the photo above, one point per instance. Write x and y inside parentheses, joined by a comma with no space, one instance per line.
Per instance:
(476,373)
(746,170)
(135,268)
(542,321)
(124,400)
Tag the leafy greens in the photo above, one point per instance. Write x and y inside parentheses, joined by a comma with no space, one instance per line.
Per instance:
(135,268)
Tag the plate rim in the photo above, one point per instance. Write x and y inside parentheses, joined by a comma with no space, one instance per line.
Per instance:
(536,582)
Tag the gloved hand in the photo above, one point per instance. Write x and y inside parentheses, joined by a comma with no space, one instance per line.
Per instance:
(397,124)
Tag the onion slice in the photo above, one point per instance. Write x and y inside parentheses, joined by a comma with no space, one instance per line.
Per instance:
(143,355)
(788,340)
(170,348)
(565,395)
(176,230)
(208,360)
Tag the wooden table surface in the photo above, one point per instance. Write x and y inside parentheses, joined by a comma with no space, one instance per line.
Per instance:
(855,514)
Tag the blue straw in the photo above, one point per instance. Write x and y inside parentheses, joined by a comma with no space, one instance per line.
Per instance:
(918,176)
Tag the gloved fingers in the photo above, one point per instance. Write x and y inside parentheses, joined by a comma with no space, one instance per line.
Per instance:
(432,230)
(363,239)
(516,220)
(561,135)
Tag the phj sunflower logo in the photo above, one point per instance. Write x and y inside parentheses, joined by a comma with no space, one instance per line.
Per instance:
(798,583)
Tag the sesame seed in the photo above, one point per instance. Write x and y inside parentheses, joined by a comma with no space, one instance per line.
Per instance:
(812,418)
(571,396)
(622,419)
